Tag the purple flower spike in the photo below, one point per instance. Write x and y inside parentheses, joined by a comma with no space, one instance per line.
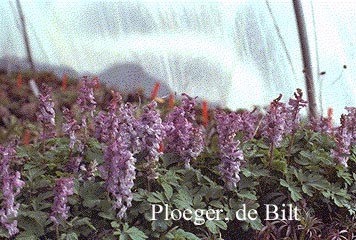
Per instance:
(119,172)
(245,122)
(321,124)
(129,127)
(11,187)
(106,124)
(183,137)
(70,126)
(46,114)
(293,111)
(351,121)
(343,142)
(152,132)
(86,101)
(274,123)
(230,155)
(63,188)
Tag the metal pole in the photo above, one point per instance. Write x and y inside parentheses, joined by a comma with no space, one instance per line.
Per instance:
(304,44)
(25,36)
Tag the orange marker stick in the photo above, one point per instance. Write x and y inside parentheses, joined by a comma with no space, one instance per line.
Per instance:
(171,101)
(155,90)
(96,82)
(330,117)
(26,137)
(161,147)
(19,80)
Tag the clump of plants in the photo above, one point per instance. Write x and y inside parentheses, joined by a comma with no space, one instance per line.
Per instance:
(19,102)
(128,171)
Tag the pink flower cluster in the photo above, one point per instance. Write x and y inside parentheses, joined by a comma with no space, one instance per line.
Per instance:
(117,129)
(11,185)
(184,137)
(86,100)
(46,114)
(230,154)
(282,119)
(152,133)
(63,188)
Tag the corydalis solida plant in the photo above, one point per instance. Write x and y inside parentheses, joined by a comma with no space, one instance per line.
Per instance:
(11,185)
(69,128)
(230,155)
(343,142)
(274,125)
(118,169)
(152,132)
(106,124)
(46,114)
(281,120)
(293,112)
(86,101)
(63,188)
(183,136)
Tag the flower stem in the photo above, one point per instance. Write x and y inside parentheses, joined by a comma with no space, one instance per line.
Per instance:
(271,154)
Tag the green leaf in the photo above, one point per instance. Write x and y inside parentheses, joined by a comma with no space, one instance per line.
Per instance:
(252,170)
(279,165)
(21,152)
(140,195)
(91,193)
(161,225)
(115,224)
(136,234)
(221,224)
(108,215)
(247,194)
(216,204)
(308,190)
(180,233)
(294,190)
(168,190)
(33,173)
(213,228)
(26,235)
(342,173)
(155,197)
(71,236)
(255,224)
(84,221)
(183,199)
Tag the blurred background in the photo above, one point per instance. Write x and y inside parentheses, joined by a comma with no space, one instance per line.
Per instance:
(232,53)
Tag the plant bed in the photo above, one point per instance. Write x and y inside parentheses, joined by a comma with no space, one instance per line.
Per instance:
(19,105)
(143,171)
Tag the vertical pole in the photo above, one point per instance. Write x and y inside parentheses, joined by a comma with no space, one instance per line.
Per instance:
(25,36)
(304,44)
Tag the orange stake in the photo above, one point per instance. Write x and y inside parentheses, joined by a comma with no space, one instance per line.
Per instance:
(155,90)
(96,82)
(171,101)
(205,113)
(64,82)
(330,117)
(19,80)
(26,137)
(161,147)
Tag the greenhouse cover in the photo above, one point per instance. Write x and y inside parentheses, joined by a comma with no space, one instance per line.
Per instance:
(233,53)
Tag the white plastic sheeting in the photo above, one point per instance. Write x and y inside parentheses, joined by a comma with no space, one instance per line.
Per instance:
(234,53)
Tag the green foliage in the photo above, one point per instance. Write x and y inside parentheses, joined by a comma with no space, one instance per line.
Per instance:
(308,176)
(302,173)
